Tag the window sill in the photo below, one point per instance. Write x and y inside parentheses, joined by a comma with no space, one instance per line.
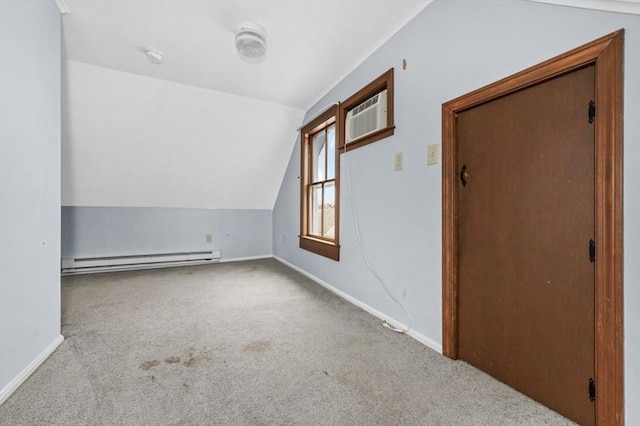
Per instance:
(365,140)
(323,248)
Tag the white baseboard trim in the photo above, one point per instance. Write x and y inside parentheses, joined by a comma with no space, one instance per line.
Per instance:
(428,342)
(412,333)
(242,259)
(6,392)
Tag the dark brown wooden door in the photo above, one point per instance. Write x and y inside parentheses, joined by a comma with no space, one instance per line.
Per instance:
(526,215)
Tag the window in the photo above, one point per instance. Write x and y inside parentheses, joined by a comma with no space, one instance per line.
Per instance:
(361,99)
(323,139)
(319,186)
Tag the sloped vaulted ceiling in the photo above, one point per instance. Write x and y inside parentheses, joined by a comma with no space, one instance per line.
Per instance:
(205,128)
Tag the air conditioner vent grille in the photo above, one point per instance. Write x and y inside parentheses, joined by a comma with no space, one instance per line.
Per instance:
(366,104)
(367,117)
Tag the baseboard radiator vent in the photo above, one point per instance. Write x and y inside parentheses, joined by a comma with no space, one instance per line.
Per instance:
(87,265)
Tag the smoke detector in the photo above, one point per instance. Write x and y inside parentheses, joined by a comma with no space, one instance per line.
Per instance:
(154,56)
(251,41)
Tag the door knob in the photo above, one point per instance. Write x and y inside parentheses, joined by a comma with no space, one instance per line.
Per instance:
(464,175)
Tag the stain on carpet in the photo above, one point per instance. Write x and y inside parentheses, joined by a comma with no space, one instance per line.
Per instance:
(149,364)
(195,356)
(172,359)
(257,347)
(191,358)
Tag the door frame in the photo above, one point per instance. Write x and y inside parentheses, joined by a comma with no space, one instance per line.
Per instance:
(606,54)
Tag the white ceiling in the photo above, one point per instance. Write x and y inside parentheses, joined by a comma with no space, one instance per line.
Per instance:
(312,44)
(168,141)
(130,140)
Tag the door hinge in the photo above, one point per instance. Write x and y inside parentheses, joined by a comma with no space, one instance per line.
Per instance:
(592,390)
(592,111)
(592,251)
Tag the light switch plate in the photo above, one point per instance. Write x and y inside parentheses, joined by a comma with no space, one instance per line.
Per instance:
(209,238)
(398,161)
(432,154)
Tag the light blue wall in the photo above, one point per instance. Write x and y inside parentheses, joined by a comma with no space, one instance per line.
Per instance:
(451,48)
(108,231)
(29,186)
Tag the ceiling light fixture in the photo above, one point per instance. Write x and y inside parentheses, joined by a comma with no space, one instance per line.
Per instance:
(251,41)
(154,56)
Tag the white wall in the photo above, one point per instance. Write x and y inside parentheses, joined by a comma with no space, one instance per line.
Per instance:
(135,141)
(113,231)
(152,166)
(29,187)
(451,48)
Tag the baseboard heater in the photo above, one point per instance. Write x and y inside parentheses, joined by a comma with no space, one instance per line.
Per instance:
(86,265)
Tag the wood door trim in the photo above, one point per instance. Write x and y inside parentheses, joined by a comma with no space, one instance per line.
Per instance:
(606,54)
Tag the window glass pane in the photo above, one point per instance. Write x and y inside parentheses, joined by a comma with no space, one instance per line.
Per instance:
(315,210)
(318,147)
(331,153)
(329,211)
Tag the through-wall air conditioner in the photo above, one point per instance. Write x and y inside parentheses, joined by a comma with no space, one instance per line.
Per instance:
(366,118)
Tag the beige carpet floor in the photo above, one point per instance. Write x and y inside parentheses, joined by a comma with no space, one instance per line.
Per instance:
(248,343)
